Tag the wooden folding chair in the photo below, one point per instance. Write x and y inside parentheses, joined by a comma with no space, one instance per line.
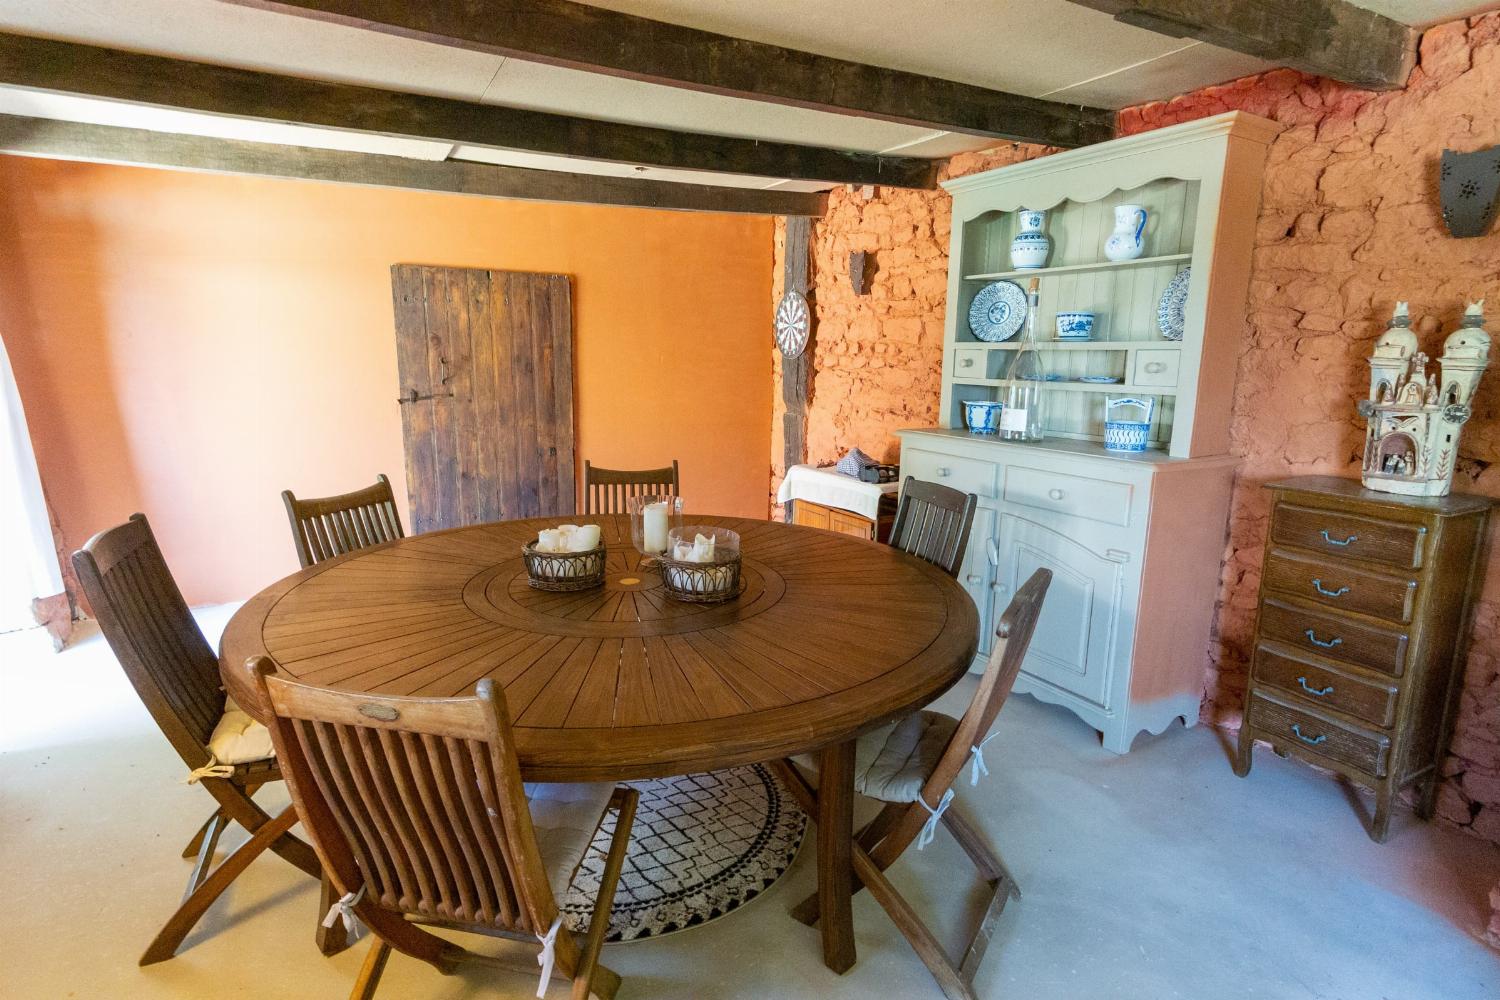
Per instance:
(911,767)
(173,669)
(607,491)
(933,522)
(417,808)
(324,527)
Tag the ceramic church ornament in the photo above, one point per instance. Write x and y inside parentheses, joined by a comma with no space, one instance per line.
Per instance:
(1029,250)
(1413,416)
(1128,241)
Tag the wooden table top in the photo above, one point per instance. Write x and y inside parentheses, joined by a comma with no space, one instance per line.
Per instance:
(830,637)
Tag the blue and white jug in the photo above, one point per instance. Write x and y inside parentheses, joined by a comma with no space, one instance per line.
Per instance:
(1128,240)
(1028,251)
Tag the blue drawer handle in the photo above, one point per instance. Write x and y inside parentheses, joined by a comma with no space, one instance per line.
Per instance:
(1318,586)
(1334,541)
(1314,691)
(1309,740)
(1312,637)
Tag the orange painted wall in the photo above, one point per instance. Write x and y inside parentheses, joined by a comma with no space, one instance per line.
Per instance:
(189,345)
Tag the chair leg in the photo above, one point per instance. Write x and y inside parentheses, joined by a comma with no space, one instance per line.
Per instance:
(991,866)
(369,973)
(905,826)
(239,807)
(191,850)
(330,940)
(589,977)
(206,849)
(197,903)
(949,980)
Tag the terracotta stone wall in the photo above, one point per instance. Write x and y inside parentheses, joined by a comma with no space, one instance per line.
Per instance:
(1349,223)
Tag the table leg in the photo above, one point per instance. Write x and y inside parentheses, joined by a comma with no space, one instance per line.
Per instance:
(835,869)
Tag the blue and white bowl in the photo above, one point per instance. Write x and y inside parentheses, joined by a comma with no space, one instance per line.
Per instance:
(982,415)
(1075,325)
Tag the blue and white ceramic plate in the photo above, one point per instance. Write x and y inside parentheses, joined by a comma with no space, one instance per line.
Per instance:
(1171,312)
(1101,379)
(998,312)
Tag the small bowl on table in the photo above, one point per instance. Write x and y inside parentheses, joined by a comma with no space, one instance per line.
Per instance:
(564,571)
(711,581)
(1075,326)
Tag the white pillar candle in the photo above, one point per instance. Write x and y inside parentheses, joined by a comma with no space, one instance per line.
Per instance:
(585,538)
(654,526)
(548,540)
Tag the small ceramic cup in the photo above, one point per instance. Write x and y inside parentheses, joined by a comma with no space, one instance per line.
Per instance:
(982,415)
(1075,325)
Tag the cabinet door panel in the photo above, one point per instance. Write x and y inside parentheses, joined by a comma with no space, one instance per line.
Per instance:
(977,574)
(1076,636)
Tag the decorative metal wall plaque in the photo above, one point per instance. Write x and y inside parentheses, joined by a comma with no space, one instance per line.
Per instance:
(1468,184)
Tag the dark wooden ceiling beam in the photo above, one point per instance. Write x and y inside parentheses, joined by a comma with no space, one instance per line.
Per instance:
(1329,38)
(578,36)
(70,68)
(59,140)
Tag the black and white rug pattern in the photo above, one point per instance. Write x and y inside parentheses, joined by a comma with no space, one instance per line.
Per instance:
(702,845)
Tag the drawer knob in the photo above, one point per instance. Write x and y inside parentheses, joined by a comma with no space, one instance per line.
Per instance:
(1309,740)
(944,472)
(1155,367)
(1312,637)
(966,363)
(1334,541)
(1318,586)
(974,579)
(1315,692)
(1056,494)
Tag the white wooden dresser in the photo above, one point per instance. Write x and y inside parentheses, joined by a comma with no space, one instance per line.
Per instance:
(1135,541)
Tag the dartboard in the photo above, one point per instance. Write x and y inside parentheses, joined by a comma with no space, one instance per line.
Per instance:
(792,324)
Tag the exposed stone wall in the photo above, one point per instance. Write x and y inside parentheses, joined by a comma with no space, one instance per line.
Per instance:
(1349,223)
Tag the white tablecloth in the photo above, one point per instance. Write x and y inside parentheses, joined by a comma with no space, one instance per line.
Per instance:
(833,489)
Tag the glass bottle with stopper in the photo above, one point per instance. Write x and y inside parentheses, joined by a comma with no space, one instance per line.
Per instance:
(1021,420)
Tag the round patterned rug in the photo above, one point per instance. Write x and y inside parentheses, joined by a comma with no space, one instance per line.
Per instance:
(702,845)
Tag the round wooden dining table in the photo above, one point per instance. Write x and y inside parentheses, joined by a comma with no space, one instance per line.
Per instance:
(830,637)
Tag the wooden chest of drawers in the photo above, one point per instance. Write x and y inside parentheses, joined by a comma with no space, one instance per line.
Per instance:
(1365,602)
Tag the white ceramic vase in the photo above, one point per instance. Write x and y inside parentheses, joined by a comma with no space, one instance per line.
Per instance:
(1029,250)
(1128,241)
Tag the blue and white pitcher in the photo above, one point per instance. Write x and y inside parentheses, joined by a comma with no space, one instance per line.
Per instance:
(1128,240)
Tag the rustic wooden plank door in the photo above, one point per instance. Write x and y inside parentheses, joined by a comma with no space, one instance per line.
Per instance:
(485,360)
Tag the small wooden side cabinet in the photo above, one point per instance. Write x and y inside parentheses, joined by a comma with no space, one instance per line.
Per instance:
(1365,608)
(816,515)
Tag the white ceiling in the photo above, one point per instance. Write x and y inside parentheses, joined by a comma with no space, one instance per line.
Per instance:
(1042,48)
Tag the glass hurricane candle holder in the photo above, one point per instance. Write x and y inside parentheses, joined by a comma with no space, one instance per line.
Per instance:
(652,518)
(702,565)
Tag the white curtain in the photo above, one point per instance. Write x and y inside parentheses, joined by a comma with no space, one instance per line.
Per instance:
(28,557)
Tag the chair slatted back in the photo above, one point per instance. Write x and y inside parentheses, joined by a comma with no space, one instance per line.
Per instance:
(324,527)
(933,522)
(424,793)
(1017,625)
(148,625)
(608,491)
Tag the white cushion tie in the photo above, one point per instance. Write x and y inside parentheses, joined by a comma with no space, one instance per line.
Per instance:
(548,955)
(929,828)
(978,767)
(213,769)
(343,909)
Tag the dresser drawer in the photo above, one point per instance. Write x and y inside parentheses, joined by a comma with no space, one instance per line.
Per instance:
(1341,586)
(967,474)
(1079,496)
(1303,730)
(969,362)
(1307,680)
(1347,535)
(1333,636)
(1155,368)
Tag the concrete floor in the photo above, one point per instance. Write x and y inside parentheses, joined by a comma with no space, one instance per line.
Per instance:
(1151,876)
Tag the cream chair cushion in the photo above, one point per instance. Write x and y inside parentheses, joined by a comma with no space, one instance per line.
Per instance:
(239,739)
(894,762)
(565,816)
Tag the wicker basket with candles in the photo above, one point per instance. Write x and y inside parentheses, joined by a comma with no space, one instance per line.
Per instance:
(701,565)
(567,558)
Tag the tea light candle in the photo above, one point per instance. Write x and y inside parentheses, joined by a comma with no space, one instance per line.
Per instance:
(654,526)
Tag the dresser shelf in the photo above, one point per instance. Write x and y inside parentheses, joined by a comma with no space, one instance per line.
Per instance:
(1092,345)
(1098,265)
